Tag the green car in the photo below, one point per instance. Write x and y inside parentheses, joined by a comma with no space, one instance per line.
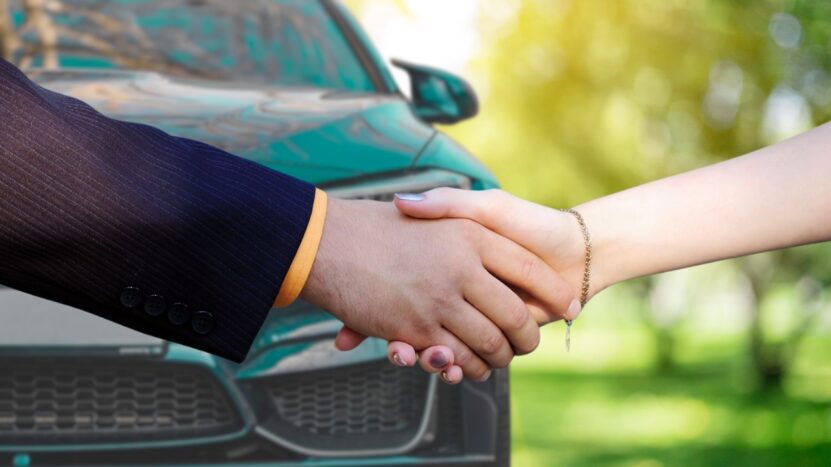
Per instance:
(295,85)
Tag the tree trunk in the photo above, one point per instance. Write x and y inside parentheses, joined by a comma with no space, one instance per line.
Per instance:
(768,360)
(665,351)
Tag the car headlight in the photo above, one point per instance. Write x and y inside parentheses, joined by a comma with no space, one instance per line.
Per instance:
(384,189)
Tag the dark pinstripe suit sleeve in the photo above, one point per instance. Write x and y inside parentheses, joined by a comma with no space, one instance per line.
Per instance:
(90,206)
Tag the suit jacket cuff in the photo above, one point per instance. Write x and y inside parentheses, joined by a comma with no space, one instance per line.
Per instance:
(301,266)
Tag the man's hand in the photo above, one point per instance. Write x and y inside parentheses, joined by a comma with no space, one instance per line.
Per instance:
(439,282)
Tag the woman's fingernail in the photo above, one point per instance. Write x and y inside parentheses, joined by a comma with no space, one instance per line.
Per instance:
(573,309)
(486,377)
(438,360)
(409,196)
(445,377)
(398,360)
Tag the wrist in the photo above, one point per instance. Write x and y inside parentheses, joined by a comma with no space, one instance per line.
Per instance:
(343,255)
(605,269)
(318,286)
(564,248)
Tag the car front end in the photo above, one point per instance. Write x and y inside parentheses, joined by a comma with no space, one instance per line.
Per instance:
(78,390)
(128,399)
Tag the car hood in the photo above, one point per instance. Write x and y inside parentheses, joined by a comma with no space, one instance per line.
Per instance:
(315,134)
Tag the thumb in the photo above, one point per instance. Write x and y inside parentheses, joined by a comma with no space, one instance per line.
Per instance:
(478,206)
(348,339)
(494,209)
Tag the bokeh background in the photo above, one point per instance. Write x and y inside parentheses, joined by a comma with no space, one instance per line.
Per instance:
(723,364)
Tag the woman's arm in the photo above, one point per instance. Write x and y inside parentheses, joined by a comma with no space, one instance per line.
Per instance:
(776,197)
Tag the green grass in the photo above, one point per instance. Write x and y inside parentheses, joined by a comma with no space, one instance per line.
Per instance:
(641,419)
(603,404)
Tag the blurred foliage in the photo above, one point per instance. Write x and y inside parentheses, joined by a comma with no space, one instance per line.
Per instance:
(589,97)
(724,364)
(646,420)
(586,98)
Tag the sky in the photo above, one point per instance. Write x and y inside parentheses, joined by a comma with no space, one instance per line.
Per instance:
(438,33)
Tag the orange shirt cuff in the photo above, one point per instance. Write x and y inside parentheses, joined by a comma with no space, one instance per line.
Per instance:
(303,260)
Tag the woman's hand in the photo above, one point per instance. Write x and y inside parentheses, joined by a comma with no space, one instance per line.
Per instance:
(552,235)
(775,197)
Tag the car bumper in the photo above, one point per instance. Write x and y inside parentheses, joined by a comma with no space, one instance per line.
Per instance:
(292,402)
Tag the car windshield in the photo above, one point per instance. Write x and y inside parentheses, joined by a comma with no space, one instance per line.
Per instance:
(288,42)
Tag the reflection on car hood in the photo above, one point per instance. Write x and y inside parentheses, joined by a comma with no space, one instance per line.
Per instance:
(315,134)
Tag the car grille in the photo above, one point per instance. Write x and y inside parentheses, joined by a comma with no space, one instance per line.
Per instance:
(98,401)
(368,406)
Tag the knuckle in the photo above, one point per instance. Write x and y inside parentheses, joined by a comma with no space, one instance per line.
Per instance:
(518,317)
(503,362)
(466,267)
(443,302)
(529,345)
(463,356)
(536,340)
(492,343)
(478,373)
(423,327)
(529,270)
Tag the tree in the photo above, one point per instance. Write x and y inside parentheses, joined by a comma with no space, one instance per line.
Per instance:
(587,98)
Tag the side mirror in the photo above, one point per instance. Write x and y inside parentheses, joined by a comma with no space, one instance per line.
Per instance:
(439,96)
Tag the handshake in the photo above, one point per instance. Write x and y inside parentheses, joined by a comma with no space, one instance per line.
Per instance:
(464,278)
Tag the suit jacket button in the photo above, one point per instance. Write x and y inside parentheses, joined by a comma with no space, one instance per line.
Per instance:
(131,297)
(202,322)
(155,305)
(178,314)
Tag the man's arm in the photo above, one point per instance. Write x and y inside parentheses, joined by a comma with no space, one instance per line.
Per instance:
(186,242)
(165,235)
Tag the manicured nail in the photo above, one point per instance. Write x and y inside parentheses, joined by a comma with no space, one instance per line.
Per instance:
(438,360)
(445,377)
(573,309)
(485,378)
(398,360)
(410,196)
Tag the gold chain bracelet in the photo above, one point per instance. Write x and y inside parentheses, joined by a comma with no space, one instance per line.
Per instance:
(587,269)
